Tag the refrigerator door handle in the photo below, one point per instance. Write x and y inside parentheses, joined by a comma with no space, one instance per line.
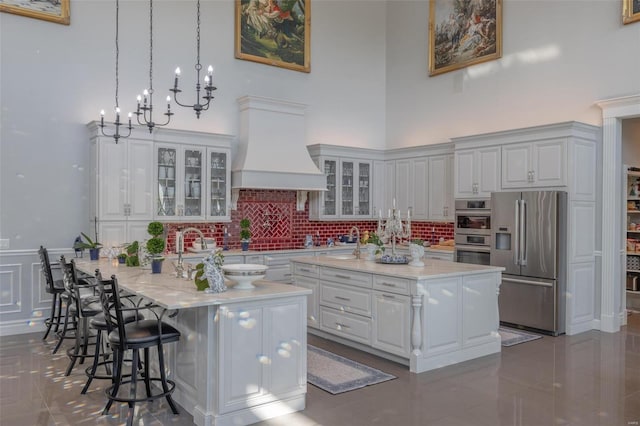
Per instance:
(523,233)
(516,245)
(528,282)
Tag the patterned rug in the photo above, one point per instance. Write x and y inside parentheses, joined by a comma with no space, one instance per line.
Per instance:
(511,337)
(336,374)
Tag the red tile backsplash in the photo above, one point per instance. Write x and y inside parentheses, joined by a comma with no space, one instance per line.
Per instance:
(277,225)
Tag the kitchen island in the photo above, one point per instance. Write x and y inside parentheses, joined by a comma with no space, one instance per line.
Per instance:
(242,356)
(425,317)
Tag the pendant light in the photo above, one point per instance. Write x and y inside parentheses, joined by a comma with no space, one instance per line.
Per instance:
(116,134)
(198,107)
(146,109)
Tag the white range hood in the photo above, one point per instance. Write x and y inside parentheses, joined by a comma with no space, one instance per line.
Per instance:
(272,153)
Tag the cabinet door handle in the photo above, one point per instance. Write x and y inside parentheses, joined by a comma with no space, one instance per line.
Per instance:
(342,298)
(388,284)
(287,275)
(388,296)
(305,270)
(342,325)
(344,277)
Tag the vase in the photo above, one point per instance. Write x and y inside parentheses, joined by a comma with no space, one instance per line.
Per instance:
(244,245)
(156,266)
(371,251)
(417,251)
(94,253)
(122,260)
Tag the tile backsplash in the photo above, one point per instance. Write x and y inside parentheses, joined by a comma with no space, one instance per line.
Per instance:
(277,225)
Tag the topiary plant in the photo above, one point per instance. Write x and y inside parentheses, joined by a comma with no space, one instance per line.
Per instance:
(155,228)
(132,252)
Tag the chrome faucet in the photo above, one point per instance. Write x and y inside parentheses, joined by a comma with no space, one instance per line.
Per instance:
(180,242)
(356,252)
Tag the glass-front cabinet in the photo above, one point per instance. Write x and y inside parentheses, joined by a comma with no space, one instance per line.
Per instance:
(192,183)
(219,185)
(348,194)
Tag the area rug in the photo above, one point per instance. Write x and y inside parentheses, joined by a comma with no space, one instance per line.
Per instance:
(336,374)
(511,337)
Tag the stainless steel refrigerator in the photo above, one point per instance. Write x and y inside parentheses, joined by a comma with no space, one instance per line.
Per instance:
(529,241)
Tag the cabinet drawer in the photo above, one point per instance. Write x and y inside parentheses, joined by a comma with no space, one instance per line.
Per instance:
(342,324)
(280,273)
(346,277)
(306,270)
(392,284)
(228,260)
(254,258)
(346,299)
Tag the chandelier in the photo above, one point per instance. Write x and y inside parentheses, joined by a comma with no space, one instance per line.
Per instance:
(146,109)
(116,134)
(198,107)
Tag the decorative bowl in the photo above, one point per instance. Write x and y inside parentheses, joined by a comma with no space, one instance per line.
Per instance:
(244,274)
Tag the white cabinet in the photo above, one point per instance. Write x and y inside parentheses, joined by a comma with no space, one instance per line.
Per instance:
(378,188)
(193,182)
(349,189)
(440,188)
(391,323)
(402,182)
(535,164)
(418,189)
(477,172)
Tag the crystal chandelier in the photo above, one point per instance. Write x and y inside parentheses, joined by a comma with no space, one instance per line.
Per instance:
(393,228)
(116,134)
(146,109)
(198,107)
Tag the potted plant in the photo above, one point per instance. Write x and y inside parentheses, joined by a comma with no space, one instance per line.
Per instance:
(374,245)
(132,254)
(155,246)
(122,258)
(93,246)
(245,233)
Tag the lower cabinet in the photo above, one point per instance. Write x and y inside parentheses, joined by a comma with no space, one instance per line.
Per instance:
(391,314)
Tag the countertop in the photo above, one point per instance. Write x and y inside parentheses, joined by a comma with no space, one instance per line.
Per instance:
(170,292)
(432,268)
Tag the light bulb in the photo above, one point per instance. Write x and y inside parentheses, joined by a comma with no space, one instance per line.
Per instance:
(210,69)
(139,98)
(129,115)
(145,92)
(102,113)
(117,110)
(178,71)
(168,99)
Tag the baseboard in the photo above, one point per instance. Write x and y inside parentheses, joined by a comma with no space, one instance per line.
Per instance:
(10,328)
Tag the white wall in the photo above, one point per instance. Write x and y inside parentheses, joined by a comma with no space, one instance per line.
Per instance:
(631,141)
(55,78)
(559,57)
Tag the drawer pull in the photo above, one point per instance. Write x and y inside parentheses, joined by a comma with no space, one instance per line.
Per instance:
(305,270)
(287,275)
(388,296)
(342,325)
(342,298)
(344,277)
(389,284)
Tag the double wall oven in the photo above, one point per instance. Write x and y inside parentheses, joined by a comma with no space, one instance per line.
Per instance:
(473,231)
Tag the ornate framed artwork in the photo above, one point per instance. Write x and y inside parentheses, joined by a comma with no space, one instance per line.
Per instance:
(274,32)
(630,11)
(49,10)
(463,33)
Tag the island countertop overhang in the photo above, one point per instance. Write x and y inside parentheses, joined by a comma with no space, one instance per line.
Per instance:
(170,292)
(432,269)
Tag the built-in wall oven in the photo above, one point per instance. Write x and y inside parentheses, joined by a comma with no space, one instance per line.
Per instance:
(473,232)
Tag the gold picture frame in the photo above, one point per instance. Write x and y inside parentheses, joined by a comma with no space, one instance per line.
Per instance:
(274,32)
(49,10)
(630,11)
(463,34)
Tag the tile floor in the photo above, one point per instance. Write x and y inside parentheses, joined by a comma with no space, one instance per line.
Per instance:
(589,379)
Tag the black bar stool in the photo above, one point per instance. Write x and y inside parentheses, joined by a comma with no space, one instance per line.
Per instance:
(99,324)
(134,336)
(56,289)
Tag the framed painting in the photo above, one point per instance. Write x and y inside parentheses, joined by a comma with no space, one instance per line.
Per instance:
(463,33)
(274,32)
(49,10)
(631,11)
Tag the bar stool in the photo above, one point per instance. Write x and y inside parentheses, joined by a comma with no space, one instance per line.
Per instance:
(99,324)
(134,336)
(56,289)
(81,307)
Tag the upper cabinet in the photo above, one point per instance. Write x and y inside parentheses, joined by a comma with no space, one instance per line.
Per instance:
(440,188)
(349,189)
(124,179)
(535,164)
(477,172)
(350,183)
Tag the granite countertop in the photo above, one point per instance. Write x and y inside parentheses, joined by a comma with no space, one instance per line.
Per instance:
(170,292)
(432,268)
